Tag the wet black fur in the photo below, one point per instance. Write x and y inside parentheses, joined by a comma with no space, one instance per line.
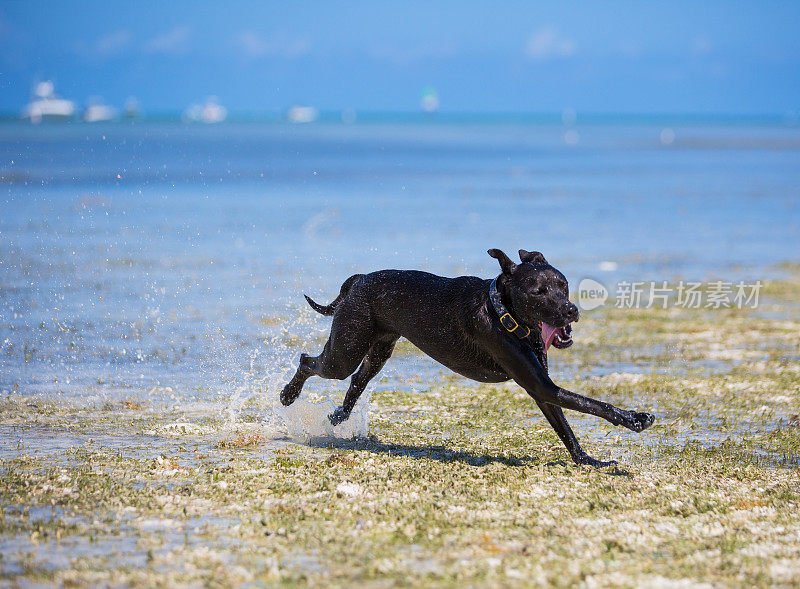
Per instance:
(452,320)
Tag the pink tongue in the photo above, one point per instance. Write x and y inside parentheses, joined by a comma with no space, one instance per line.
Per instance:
(548,335)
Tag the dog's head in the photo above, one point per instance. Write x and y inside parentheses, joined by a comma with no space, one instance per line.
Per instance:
(538,293)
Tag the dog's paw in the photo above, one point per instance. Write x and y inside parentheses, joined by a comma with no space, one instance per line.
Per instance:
(338,416)
(587,460)
(640,421)
(288,395)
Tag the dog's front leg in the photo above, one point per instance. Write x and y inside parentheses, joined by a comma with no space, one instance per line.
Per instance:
(527,372)
(555,416)
(558,421)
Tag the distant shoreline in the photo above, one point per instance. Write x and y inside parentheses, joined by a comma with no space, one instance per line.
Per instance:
(522,118)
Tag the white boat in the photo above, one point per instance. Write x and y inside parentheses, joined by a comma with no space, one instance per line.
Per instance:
(302,114)
(210,112)
(46,105)
(97,112)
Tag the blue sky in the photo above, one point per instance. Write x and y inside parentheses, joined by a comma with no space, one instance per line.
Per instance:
(608,57)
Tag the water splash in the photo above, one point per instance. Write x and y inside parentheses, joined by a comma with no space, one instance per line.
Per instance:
(307,419)
(249,390)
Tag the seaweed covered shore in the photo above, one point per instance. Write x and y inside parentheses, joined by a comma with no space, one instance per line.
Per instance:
(455,483)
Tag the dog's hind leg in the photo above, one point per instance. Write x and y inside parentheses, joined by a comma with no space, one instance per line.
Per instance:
(376,358)
(292,390)
(331,363)
(352,332)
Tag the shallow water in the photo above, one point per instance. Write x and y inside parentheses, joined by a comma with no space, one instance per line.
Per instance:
(165,263)
(56,445)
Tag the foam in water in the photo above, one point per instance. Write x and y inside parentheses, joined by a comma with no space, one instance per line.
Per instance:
(307,419)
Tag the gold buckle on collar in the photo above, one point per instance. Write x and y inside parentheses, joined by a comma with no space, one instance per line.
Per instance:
(506,320)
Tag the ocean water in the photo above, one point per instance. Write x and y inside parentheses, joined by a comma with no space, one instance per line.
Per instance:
(166,261)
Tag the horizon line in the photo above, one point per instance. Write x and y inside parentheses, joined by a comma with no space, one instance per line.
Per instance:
(566,117)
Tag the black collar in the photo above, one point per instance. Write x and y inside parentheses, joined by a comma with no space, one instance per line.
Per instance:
(519,329)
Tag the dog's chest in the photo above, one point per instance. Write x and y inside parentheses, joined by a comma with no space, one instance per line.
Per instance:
(465,359)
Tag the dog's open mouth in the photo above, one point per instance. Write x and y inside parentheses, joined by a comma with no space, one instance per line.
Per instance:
(560,337)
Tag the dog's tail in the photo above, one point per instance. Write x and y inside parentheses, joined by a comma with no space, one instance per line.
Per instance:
(329,310)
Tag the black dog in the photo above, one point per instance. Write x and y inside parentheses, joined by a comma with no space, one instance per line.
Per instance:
(476,327)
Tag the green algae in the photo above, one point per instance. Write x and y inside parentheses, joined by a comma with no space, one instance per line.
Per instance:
(457,482)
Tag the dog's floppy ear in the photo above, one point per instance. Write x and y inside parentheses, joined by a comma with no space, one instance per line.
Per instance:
(536,257)
(506,264)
